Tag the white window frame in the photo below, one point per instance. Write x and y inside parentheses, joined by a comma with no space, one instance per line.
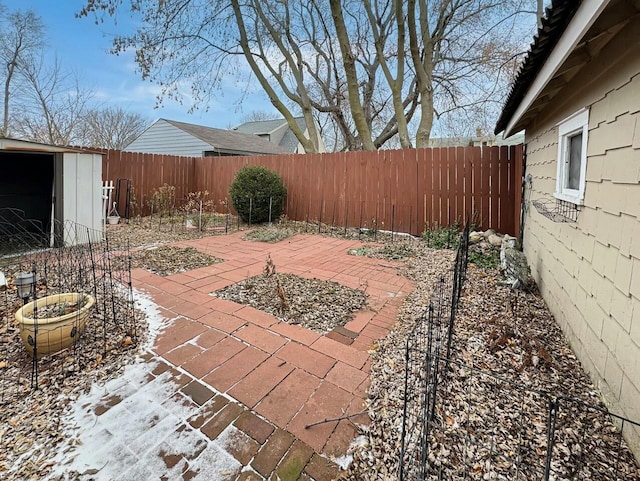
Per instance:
(576,123)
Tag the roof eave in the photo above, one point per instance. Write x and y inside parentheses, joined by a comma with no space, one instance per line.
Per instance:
(244,152)
(9,144)
(582,20)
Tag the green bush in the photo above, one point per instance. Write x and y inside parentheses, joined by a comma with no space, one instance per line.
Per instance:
(252,188)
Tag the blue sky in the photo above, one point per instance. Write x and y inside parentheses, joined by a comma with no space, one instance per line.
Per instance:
(81,46)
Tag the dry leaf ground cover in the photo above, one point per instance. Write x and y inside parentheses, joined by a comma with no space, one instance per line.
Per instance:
(146,231)
(485,425)
(166,260)
(312,303)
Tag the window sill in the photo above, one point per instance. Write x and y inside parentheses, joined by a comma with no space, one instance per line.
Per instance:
(572,199)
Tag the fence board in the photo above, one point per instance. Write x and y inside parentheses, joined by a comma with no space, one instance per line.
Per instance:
(517,165)
(452,187)
(505,210)
(494,187)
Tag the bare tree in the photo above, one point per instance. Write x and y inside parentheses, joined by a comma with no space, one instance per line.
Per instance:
(257,116)
(375,70)
(110,127)
(54,106)
(21,35)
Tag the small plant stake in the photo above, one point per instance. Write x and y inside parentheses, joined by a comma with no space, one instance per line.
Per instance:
(339,418)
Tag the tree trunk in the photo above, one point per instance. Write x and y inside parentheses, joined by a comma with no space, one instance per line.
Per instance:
(364,132)
(395,84)
(307,144)
(5,117)
(396,89)
(11,67)
(540,12)
(423,65)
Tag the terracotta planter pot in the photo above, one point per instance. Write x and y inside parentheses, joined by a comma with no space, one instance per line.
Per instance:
(53,333)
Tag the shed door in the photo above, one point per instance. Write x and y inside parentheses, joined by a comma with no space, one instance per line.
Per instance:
(26,184)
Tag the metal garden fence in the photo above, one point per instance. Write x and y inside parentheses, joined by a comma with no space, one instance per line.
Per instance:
(426,362)
(81,261)
(462,422)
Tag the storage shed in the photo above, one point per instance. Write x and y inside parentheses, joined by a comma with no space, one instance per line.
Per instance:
(52,185)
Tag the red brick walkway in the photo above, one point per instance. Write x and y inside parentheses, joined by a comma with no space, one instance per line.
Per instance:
(284,374)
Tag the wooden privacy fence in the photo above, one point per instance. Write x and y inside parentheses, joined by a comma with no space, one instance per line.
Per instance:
(148,172)
(401,190)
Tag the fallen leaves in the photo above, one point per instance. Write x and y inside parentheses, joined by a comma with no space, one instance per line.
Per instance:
(313,303)
(487,428)
(166,260)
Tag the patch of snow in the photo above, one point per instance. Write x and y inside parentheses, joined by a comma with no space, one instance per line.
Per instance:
(359,442)
(230,437)
(156,321)
(345,461)
(214,464)
(110,442)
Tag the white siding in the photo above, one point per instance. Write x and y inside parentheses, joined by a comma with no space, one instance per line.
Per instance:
(82,190)
(164,138)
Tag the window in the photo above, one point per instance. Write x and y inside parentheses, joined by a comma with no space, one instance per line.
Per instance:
(572,157)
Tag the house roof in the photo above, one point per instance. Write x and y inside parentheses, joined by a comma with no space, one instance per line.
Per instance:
(469,141)
(258,127)
(573,32)
(277,129)
(229,141)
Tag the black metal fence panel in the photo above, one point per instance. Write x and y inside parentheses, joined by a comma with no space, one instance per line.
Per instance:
(426,358)
(458,422)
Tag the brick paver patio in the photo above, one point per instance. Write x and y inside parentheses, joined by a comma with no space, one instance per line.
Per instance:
(258,382)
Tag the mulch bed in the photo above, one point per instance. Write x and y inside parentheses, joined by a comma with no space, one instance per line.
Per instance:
(167,260)
(512,335)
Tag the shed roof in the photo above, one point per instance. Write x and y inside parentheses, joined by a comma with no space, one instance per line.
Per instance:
(17,145)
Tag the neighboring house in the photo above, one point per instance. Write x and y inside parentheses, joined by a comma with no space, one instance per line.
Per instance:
(577,96)
(279,132)
(179,138)
(50,183)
